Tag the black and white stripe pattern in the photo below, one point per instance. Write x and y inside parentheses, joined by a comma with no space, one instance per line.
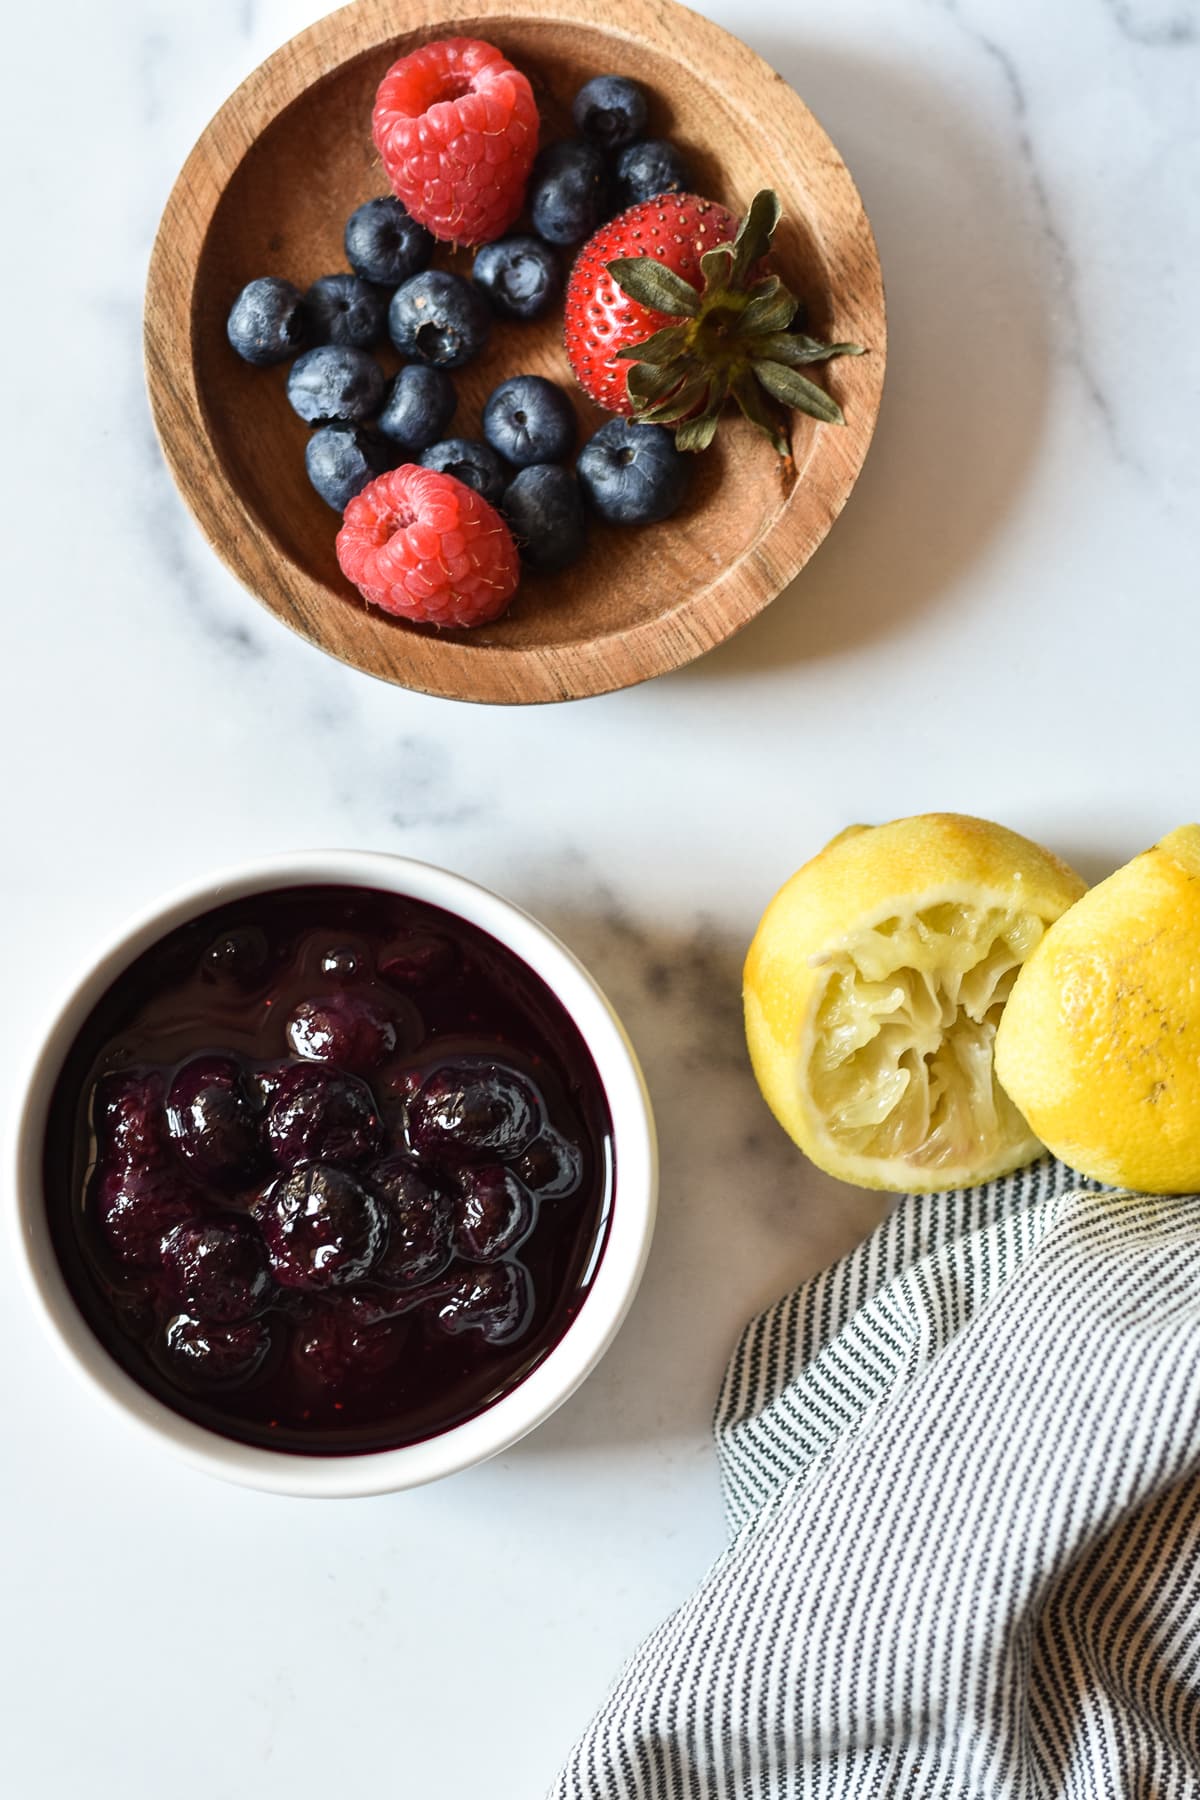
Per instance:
(962,1470)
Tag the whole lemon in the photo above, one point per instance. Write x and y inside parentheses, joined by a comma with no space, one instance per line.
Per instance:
(1099,1045)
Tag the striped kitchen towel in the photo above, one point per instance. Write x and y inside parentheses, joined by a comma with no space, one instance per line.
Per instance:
(962,1472)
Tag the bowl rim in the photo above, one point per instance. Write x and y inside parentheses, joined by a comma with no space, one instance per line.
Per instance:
(566,1365)
(726,594)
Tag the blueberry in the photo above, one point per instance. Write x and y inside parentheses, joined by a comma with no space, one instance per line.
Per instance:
(211,1120)
(552,1166)
(633,474)
(316,1114)
(521,276)
(568,191)
(471,462)
(418,1246)
(343,459)
(420,404)
(239,956)
(217,1272)
(544,507)
(267,322)
(333,383)
(135,1207)
(648,169)
(610,110)
(529,420)
(474,1110)
(345,309)
(439,318)
(321,1227)
(418,960)
(494,1299)
(206,1353)
(493,1213)
(336,1346)
(128,1115)
(352,1030)
(385,244)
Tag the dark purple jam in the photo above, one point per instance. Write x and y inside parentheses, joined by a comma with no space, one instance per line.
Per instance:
(329,1170)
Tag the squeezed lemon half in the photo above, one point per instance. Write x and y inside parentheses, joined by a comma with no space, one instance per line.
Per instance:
(873,989)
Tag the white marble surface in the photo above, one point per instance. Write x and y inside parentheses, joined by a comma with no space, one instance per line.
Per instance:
(1005,621)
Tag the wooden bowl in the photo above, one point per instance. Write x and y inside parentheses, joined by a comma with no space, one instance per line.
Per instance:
(267,190)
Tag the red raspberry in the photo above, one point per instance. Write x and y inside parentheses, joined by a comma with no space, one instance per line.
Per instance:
(457,128)
(428,548)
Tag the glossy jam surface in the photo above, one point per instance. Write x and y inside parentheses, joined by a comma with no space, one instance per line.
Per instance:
(329,1170)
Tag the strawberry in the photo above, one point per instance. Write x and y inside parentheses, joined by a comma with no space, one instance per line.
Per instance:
(671,309)
(457,128)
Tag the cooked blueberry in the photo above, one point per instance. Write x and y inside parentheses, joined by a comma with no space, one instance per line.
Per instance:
(478,1110)
(352,1030)
(129,1118)
(135,1207)
(568,191)
(633,474)
(494,1299)
(336,1346)
(420,404)
(267,322)
(439,318)
(610,110)
(203,1352)
(471,462)
(648,169)
(335,384)
(343,962)
(417,960)
(211,1120)
(322,1228)
(521,276)
(544,507)
(239,956)
(317,1114)
(342,459)
(217,1271)
(418,1246)
(384,243)
(552,1166)
(529,420)
(493,1213)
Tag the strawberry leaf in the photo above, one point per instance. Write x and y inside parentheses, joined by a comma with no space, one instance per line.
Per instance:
(659,347)
(770,309)
(797,391)
(759,410)
(686,399)
(645,382)
(754,234)
(697,434)
(715,265)
(795,349)
(652,285)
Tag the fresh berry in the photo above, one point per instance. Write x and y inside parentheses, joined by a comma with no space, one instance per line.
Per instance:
(385,244)
(493,1213)
(552,1167)
(333,383)
(420,404)
(528,420)
(474,1110)
(206,1354)
(426,547)
(439,318)
(129,1117)
(569,191)
(457,128)
(544,507)
(494,1299)
(342,459)
(238,956)
(336,1346)
(217,1272)
(610,110)
(648,169)
(418,960)
(476,465)
(135,1206)
(211,1120)
(352,1030)
(267,322)
(322,1228)
(521,276)
(317,1114)
(345,309)
(418,1246)
(633,474)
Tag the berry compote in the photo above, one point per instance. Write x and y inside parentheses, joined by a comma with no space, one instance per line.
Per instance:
(329,1170)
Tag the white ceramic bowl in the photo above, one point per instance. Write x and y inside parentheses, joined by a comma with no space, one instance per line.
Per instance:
(566,1365)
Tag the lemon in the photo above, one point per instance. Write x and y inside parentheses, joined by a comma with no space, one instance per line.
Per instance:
(873,989)
(1100,1042)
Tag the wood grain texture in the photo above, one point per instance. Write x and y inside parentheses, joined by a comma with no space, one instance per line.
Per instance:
(267,190)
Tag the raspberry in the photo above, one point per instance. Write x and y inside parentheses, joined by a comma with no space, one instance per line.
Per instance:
(457,128)
(426,547)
